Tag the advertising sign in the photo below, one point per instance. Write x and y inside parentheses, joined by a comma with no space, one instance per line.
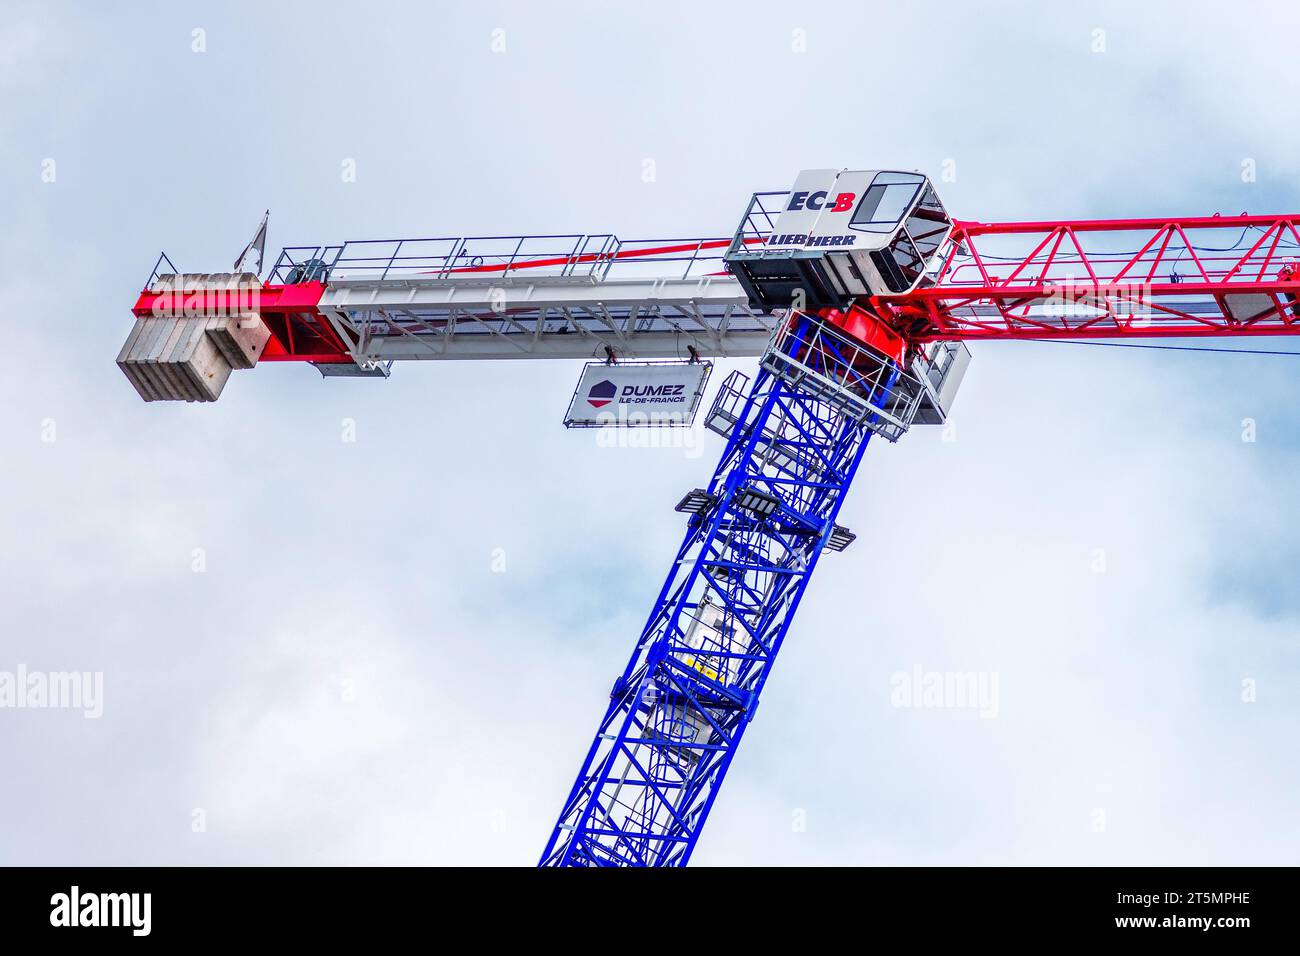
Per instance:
(630,394)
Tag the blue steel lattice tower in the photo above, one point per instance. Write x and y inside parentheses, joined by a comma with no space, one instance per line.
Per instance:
(677,713)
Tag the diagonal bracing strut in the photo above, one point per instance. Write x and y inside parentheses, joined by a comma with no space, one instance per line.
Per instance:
(677,713)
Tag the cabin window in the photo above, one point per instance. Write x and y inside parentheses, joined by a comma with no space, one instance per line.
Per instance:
(886,201)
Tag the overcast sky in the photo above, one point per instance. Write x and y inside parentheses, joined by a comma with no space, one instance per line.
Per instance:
(349,680)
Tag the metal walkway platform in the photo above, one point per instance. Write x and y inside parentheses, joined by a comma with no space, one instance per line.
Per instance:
(502,297)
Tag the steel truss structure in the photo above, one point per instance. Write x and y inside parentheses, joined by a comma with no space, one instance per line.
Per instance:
(356,307)
(677,713)
(894,302)
(1110,278)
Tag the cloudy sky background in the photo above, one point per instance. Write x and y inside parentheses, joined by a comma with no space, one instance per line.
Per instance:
(350,682)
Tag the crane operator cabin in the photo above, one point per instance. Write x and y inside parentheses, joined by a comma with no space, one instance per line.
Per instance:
(844,234)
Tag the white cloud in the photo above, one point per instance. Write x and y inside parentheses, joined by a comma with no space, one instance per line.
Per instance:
(476,692)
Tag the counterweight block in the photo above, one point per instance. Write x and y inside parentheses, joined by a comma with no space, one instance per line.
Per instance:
(203,328)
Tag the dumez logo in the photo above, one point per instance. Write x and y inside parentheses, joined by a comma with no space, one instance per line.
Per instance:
(601,394)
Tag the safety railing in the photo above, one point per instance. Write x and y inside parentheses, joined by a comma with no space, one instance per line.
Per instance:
(851,375)
(495,259)
(469,257)
(695,258)
(728,403)
(304,264)
(759,220)
(158,271)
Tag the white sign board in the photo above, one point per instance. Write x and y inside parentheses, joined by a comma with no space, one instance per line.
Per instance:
(632,394)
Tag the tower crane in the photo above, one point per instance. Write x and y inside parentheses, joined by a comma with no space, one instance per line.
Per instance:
(856,291)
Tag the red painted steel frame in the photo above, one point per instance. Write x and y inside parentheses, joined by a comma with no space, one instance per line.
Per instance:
(1209,275)
(299,333)
(1102,278)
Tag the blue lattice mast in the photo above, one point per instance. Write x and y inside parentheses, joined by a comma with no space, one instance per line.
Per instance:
(677,713)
